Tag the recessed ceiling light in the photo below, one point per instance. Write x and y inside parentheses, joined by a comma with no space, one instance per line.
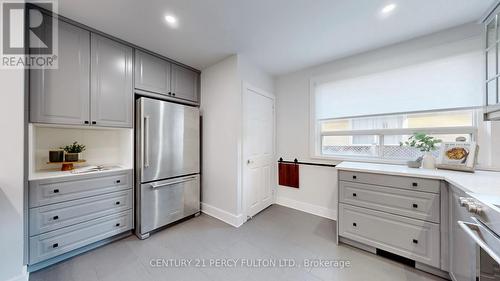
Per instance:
(171,20)
(389,8)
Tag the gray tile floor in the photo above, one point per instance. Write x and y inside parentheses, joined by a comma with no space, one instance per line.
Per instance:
(276,234)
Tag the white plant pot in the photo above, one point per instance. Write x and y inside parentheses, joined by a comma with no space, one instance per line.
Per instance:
(428,161)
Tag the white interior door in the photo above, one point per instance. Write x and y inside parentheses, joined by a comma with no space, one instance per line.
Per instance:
(258,150)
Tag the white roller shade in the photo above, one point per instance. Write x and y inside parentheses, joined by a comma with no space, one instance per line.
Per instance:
(450,82)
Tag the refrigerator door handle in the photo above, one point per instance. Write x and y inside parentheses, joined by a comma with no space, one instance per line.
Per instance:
(158,185)
(146,141)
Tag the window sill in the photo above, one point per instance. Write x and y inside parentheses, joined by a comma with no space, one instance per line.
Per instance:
(339,159)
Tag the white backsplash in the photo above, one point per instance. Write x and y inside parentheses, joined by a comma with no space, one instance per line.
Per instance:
(103,146)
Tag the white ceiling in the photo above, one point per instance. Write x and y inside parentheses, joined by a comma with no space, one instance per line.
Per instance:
(280,36)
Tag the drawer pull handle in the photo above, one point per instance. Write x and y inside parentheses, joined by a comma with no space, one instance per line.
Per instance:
(354,224)
(117,203)
(117,224)
(415,241)
(118,181)
(55,245)
(56,190)
(354,177)
(354,195)
(414,184)
(55,218)
(415,206)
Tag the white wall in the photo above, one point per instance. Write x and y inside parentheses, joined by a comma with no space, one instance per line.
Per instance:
(11,175)
(318,188)
(221,108)
(251,74)
(220,100)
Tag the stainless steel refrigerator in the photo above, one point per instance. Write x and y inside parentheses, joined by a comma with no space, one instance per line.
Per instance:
(167,163)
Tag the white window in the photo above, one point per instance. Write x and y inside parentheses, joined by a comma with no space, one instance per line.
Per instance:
(367,117)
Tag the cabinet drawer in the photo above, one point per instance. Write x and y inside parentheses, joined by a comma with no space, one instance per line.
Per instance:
(413,204)
(55,216)
(414,239)
(50,191)
(417,184)
(61,241)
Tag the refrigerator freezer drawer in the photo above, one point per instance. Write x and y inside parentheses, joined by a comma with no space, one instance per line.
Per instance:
(164,202)
(168,136)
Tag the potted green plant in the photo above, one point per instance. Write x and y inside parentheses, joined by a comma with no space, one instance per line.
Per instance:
(426,144)
(72,151)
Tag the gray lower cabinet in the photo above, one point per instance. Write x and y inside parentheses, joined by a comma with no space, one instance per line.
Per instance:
(414,239)
(410,183)
(50,191)
(54,243)
(412,204)
(69,213)
(61,96)
(462,248)
(55,216)
(398,214)
(112,86)
(156,75)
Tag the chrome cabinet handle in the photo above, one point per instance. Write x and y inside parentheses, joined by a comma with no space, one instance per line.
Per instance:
(158,185)
(145,141)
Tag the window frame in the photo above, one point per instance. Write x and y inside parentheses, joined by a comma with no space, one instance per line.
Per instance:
(316,136)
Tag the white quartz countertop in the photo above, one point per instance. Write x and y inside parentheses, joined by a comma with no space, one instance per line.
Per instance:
(481,182)
(49,174)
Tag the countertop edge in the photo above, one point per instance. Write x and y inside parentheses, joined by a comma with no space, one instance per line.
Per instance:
(68,175)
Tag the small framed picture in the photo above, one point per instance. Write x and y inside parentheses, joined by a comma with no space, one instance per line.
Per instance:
(460,156)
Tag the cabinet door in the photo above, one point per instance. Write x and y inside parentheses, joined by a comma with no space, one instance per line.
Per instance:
(61,96)
(184,83)
(112,92)
(152,73)
(462,248)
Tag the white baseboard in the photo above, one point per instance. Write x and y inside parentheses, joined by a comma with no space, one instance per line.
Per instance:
(24,276)
(308,208)
(229,218)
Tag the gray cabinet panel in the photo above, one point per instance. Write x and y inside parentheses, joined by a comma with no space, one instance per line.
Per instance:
(61,96)
(416,184)
(462,249)
(61,241)
(184,83)
(413,204)
(50,191)
(414,239)
(111,83)
(152,73)
(56,216)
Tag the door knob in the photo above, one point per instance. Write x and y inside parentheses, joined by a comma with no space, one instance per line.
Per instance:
(249,161)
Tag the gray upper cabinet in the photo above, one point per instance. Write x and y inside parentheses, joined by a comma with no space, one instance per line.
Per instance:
(93,84)
(152,73)
(112,91)
(184,83)
(156,75)
(61,96)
